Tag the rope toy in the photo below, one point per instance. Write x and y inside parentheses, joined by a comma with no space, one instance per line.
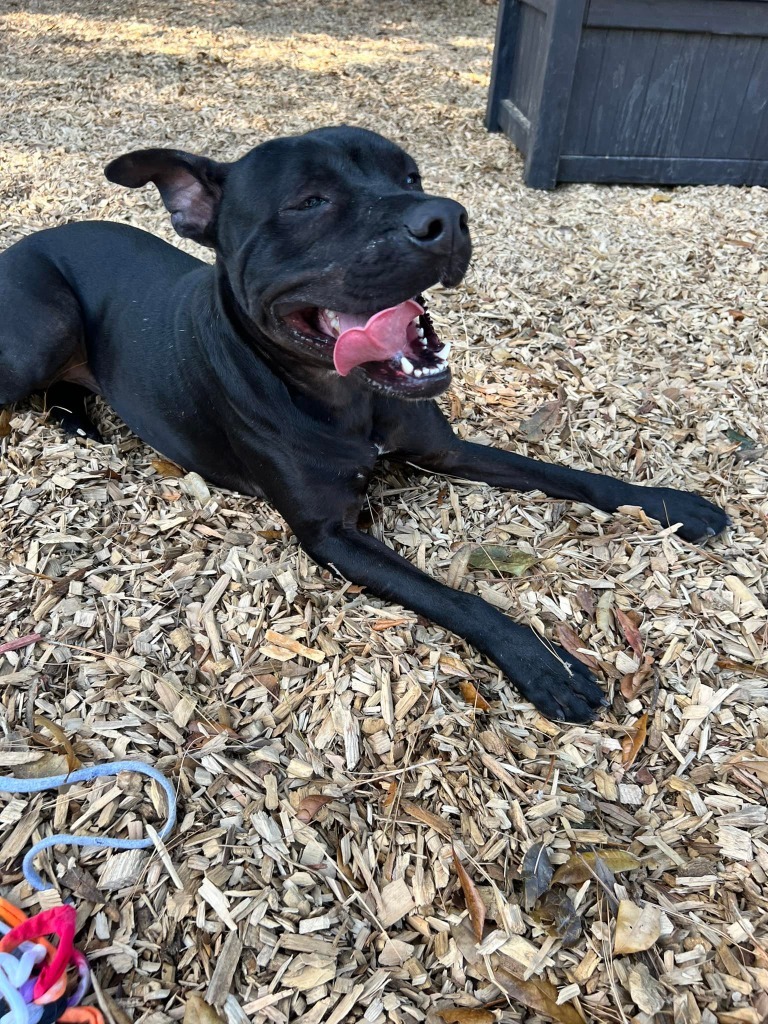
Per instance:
(34,973)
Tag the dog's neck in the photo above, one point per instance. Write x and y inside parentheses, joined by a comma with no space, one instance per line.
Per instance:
(318,390)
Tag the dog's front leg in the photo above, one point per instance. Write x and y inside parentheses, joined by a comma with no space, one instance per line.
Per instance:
(427,440)
(556,684)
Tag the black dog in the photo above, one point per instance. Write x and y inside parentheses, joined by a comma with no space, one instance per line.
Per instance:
(292,365)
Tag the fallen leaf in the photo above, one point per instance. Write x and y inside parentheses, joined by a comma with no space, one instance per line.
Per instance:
(542,422)
(20,641)
(605,877)
(573,643)
(632,683)
(745,442)
(440,825)
(310,805)
(500,558)
(536,871)
(630,631)
(537,994)
(736,314)
(585,599)
(466,1015)
(739,666)
(581,866)
(472,898)
(48,764)
(202,732)
(73,761)
(381,624)
(631,744)
(193,485)
(167,470)
(390,794)
(637,928)
(661,197)
(471,696)
(646,992)
(558,908)
(5,422)
(61,586)
(197,1011)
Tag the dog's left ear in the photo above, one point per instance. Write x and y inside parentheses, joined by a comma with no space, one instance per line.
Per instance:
(190,186)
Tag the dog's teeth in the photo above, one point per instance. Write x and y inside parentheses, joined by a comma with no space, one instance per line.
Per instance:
(417,373)
(445,351)
(406,365)
(420,332)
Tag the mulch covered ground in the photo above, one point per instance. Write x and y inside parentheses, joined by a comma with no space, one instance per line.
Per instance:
(336,758)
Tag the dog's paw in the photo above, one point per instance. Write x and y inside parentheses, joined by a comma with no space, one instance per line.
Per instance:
(700,518)
(560,687)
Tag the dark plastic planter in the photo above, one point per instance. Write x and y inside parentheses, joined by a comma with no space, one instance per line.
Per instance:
(649,91)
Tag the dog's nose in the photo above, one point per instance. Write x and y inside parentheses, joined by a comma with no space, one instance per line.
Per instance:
(438,225)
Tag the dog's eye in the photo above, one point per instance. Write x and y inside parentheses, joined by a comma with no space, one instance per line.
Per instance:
(311,202)
(414,178)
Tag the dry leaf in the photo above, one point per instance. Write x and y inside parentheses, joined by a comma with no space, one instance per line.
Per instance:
(572,642)
(581,866)
(500,558)
(536,871)
(390,795)
(167,470)
(661,197)
(636,928)
(193,485)
(631,744)
(197,1011)
(472,898)
(202,732)
(537,994)
(466,1015)
(5,422)
(739,666)
(440,825)
(630,631)
(542,422)
(20,641)
(471,696)
(585,599)
(73,761)
(632,683)
(381,624)
(558,908)
(310,805)
(48,764)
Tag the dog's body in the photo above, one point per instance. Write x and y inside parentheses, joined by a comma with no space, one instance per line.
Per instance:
(229,370)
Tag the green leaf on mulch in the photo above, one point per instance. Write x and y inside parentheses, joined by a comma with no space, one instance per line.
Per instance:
(501,558)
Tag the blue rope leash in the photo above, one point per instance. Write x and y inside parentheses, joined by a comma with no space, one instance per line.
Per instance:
(100,842)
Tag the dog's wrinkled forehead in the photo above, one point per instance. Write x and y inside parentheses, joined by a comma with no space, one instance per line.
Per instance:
(325,156)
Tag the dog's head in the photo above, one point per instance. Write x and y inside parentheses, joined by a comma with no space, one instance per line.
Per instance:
(326,242)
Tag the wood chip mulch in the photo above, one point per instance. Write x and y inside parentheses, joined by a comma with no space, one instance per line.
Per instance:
(358,789)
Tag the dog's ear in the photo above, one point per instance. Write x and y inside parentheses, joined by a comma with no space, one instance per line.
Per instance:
(190,186)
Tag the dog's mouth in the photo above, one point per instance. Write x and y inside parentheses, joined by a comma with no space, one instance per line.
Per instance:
(396,348)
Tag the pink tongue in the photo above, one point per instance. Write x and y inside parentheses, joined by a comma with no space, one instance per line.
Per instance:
(383,337)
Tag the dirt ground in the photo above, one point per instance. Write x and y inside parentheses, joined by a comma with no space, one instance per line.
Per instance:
(327,799)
